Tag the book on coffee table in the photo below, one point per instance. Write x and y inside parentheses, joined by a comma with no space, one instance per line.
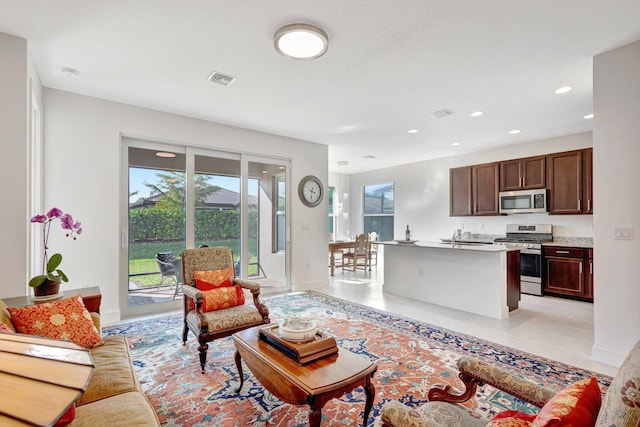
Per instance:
(322,345)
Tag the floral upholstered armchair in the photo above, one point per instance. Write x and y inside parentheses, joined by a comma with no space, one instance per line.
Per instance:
(214,303)
(579,404)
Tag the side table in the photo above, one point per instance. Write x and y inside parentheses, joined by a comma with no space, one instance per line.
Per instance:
(91,297)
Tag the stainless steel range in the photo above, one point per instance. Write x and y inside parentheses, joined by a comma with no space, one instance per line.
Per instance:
(528,238)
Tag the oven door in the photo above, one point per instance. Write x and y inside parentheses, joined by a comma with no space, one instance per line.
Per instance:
(531,271)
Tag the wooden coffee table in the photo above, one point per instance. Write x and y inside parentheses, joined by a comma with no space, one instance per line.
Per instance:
(314,384)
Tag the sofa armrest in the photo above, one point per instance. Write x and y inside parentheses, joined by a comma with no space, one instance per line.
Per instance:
(474,372)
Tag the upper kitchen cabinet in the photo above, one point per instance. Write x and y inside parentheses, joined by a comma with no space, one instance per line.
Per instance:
(587,179)
(460,191)
(569,182)
(522,174)
(474,190)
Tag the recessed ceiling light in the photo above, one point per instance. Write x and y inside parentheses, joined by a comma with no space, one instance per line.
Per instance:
(301,41)
(281,167)
(455,144)
(165,154)
(564,89)
(476,114)
(265,172)
(412,131)
(515,131)
(589,116)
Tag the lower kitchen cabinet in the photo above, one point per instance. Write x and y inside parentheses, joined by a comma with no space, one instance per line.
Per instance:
(568,272)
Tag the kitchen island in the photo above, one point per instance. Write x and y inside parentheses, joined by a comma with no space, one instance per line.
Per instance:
(481,279)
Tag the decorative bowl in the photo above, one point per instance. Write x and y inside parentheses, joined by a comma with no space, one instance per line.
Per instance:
(297,329)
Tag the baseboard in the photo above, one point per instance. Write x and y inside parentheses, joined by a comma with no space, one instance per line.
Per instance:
(607,356)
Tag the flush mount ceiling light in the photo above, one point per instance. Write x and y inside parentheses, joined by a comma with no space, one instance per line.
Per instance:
(165,154)
(301,41)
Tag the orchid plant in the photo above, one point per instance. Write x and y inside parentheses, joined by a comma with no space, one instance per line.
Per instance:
(50,270)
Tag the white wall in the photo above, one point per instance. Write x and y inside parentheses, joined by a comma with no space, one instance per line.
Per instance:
(82,139)
(616,171)
(422,194)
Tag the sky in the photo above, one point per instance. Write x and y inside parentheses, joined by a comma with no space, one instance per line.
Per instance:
(138,176)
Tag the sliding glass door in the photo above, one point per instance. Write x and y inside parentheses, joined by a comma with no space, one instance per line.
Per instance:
(182,197)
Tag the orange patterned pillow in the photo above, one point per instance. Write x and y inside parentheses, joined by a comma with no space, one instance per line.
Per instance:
(225,297)
(65,319)
(577,404)
(212,279)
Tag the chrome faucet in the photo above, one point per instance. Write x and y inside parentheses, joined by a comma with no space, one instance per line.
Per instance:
(456,235)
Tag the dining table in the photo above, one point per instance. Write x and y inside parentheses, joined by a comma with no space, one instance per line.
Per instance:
(338,245)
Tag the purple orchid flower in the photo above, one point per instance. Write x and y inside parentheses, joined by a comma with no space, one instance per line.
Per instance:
(39,218)
(66,222)
(54,213)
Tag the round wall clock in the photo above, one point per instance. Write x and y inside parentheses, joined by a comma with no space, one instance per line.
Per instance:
(311,191)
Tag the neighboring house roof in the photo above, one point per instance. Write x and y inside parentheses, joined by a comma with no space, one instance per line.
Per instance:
(221,199)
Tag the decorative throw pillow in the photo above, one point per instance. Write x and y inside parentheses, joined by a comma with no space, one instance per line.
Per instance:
(6,329)
(577,404)
(65,319)
(511,419)
(225,297)
(212,279)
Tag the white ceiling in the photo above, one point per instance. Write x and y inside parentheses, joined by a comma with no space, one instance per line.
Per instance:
(389,64)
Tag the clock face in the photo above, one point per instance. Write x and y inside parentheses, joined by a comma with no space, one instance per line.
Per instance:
(310,191)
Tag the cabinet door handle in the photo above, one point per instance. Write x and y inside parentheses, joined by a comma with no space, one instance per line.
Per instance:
(580,268)
(562,252)
(590,267)
(589,204)
(579,205)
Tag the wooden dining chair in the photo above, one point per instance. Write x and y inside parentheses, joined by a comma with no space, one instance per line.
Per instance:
(373,248)
(359,257)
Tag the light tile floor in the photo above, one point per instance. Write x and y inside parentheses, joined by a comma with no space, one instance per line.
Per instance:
(556,328)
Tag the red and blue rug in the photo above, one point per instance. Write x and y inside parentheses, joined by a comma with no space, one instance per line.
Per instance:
(412,356)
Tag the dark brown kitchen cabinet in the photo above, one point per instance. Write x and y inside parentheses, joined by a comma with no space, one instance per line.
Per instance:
(474,190)
(523,174)
(569,180)
(587,179)
(460,191)
(568,272)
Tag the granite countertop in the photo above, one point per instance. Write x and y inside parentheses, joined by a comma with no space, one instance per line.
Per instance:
(477,247)
(574,242)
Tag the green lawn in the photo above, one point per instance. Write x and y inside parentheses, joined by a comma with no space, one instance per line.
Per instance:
(142,259)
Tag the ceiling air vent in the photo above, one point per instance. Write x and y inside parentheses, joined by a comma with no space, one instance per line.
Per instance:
(441,113)
(221,79)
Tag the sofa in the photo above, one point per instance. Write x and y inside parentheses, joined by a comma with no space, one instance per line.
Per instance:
(113,397)
(620,406)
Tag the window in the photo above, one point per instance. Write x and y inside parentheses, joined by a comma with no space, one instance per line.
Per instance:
(280,234)
(332,219)
(378,210)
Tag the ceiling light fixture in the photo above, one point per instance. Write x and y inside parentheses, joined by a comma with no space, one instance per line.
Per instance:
(165,154)
(412,131)
(589,116)
(476,114)
(514,132)
(564,89)
(301,41)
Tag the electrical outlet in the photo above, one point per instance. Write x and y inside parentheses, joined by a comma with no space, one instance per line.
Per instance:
(622,233)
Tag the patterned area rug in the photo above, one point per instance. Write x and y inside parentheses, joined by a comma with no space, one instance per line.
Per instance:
(411,357)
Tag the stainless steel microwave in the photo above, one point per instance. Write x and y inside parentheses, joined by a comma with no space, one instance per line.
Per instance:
(523,201)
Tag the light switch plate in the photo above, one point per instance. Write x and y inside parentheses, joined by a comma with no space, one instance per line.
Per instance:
(622,233)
